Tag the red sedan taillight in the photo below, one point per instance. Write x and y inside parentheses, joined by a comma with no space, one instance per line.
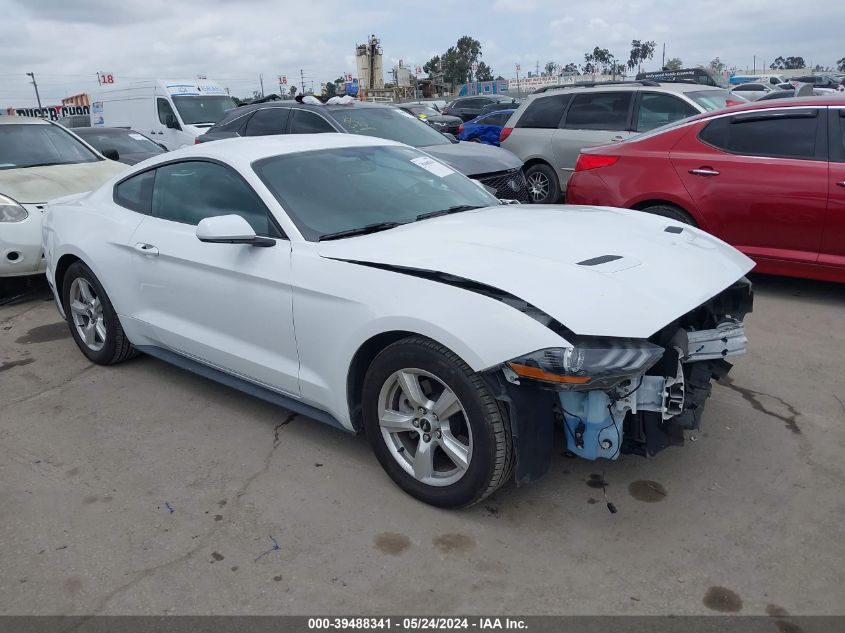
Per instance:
(461,128)
(197,140)
(506,132)
(593,161)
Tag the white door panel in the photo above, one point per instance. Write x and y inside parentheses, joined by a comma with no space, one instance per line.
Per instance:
(228,305)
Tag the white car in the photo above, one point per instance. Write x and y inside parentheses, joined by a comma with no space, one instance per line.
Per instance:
(365,284)
(39,161)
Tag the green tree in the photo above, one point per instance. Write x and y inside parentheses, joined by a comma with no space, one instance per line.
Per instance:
(432,65)
(483,72)
(570,68)
(640,52)
(717,65)
(331,89)
(840,65)
(551,68)
(787,63)
(597,62)
(457,62)
(293,91)
(674,63)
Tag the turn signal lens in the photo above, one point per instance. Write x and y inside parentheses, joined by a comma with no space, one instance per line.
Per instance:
(593,161)
(506,132)
(538,374)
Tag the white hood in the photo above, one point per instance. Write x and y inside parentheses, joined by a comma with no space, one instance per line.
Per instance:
(36,185)
(533,252)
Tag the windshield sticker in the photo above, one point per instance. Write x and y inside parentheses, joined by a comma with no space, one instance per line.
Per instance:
(430,165)
(137,137)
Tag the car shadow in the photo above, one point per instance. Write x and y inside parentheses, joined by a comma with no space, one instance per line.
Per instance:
(808,289)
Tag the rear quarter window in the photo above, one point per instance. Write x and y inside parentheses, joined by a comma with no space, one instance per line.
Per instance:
(775,136)
(135,193)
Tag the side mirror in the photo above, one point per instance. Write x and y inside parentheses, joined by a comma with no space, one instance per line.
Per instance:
(111,154)
(171,122)
(230,229)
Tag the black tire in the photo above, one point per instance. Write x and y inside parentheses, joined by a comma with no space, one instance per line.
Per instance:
(673,213)
(475,140)
(492,458)
(116,347)
(543,185)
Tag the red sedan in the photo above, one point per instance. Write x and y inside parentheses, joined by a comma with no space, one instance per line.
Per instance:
(768,178)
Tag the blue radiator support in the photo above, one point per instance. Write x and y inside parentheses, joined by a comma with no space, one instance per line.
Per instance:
(591,430)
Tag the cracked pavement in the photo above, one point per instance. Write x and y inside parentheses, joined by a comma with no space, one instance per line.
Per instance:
(143,489)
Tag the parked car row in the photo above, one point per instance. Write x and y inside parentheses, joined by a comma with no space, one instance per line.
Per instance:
(493,167)
(766,177)
(550,128)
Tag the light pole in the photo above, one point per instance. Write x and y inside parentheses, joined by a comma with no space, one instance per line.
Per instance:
(37,96)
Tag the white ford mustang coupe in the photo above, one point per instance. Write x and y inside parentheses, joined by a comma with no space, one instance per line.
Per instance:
(367,285)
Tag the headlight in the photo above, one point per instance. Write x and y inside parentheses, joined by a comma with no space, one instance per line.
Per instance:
(11,211)
(590,364)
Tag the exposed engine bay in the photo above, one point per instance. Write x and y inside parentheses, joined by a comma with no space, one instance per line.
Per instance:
(623,396)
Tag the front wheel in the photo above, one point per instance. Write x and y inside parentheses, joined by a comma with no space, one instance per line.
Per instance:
(91,317)
(543,186)
(434,425)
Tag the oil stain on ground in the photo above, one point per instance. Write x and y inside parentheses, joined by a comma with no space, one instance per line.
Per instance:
(596,481)
(453,542)
(647,491)
(16,363)
(753,398)
(723,600)
(45,333)
(392,543)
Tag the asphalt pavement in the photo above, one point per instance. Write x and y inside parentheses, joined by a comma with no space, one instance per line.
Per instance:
(144,489)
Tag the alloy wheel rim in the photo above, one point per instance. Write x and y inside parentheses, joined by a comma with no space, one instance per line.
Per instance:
(425,427)
(538,186)
(86,311)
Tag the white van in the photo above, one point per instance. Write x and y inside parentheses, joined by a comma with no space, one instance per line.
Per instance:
(171,112)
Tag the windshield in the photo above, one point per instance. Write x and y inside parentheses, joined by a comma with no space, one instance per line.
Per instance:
(123,142)
(194,110)
(715,99)
(342,189)
(389,123)
(28,145)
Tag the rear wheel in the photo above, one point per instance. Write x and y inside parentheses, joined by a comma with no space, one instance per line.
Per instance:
(92,320)
(671,212)
(434,425)
(543,186)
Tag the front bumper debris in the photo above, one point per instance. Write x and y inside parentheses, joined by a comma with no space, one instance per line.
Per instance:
(645,413)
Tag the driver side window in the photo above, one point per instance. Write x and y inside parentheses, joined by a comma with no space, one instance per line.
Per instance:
(165,111)
(190,191)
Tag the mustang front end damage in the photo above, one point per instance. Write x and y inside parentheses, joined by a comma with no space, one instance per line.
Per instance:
(615,396)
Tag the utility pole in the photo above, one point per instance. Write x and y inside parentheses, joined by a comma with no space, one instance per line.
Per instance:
(663,63)
(261,81)
(537,69)
(302,79)
(518,92)
(37,96)
(754,70)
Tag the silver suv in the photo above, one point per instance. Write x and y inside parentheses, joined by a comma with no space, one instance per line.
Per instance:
(551,127)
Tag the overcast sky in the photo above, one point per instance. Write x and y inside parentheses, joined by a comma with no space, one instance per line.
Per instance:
(65,42)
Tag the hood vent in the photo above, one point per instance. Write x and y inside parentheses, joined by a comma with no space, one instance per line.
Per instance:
(596,261)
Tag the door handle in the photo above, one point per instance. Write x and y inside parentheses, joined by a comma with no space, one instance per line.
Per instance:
(704,171)
(146,249)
